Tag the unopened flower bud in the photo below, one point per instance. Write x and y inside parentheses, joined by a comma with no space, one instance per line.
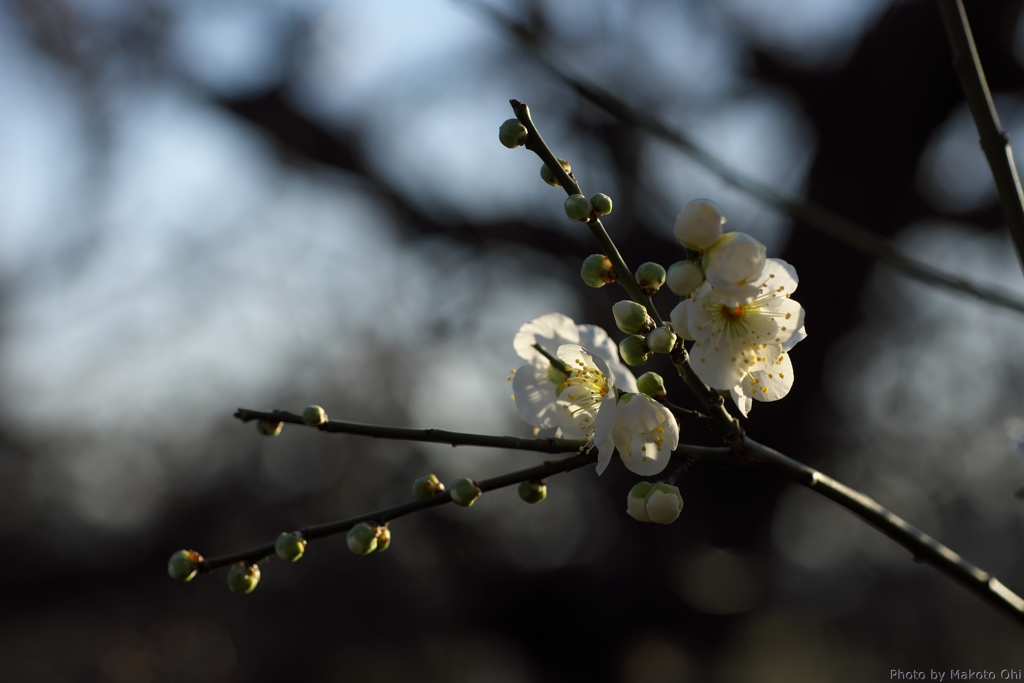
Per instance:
(736,259)
(383,538)
(465,492)
(684,277)
(699,224)
(512,133)
(577,208)
(602,204)
(290,546)
(652,384)
(243,577)
(650,277)
(183,565)
(362,538)
(597,270)
(663,503)
(631,317)
(557,377)
(634,350)
(426,486)
(661,340)
(533,491)
(314,416)
(269,427)
(636,501)
(548,177)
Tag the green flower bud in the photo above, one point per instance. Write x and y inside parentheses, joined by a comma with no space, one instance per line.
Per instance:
(602,204)
(634,351)
(383,538)
(290,546)
(631,317)
(557,377)
(577,208)
(243,577)
(426,486)
(548,177)
(699,224)
(512,133)
(597,270)
(183,565)
(661,340)
(362,538)
(684,277)
(636,501)
(650,277)
(533,491)
(653,385)
(465,492)
(314,416)
(269,428)
(663,503)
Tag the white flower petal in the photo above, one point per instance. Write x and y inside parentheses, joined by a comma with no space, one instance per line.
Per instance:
(743,402)
(789,316)
(797,337)
(678,316)
(550,331)
(595,340)
(718,365)
(774,382)
(535,396)
(779,277)
(604,455)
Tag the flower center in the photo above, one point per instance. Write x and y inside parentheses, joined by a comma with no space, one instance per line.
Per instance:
(732,314)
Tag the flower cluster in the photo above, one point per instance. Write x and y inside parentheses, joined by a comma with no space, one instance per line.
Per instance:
(737,309)
(574,384)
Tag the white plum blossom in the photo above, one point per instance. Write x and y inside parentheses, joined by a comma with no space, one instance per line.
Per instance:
(735,260)
(742,330)
(537,385)
(644,431)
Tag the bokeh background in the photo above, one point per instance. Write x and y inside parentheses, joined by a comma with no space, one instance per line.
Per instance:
(210,204)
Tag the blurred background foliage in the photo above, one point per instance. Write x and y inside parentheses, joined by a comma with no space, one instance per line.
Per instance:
(207,204)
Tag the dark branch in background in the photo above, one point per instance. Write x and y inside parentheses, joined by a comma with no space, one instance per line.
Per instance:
(832,224)
(994,140)
(299,138)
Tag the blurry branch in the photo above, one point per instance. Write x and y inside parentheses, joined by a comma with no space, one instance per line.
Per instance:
(994,140)
(725,424)
(300,138)
(386,515)
(832,224)
(543,445)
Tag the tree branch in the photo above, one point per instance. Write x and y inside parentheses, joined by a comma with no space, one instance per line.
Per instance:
(725,424)
(545,445)
(387,514)
(994,140)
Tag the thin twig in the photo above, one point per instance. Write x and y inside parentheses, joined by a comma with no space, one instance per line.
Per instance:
(814,215)
(994,140)
(386,515)
(543,445)
(725,424)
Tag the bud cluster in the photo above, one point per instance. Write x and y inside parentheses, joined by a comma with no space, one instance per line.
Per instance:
(367,537)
